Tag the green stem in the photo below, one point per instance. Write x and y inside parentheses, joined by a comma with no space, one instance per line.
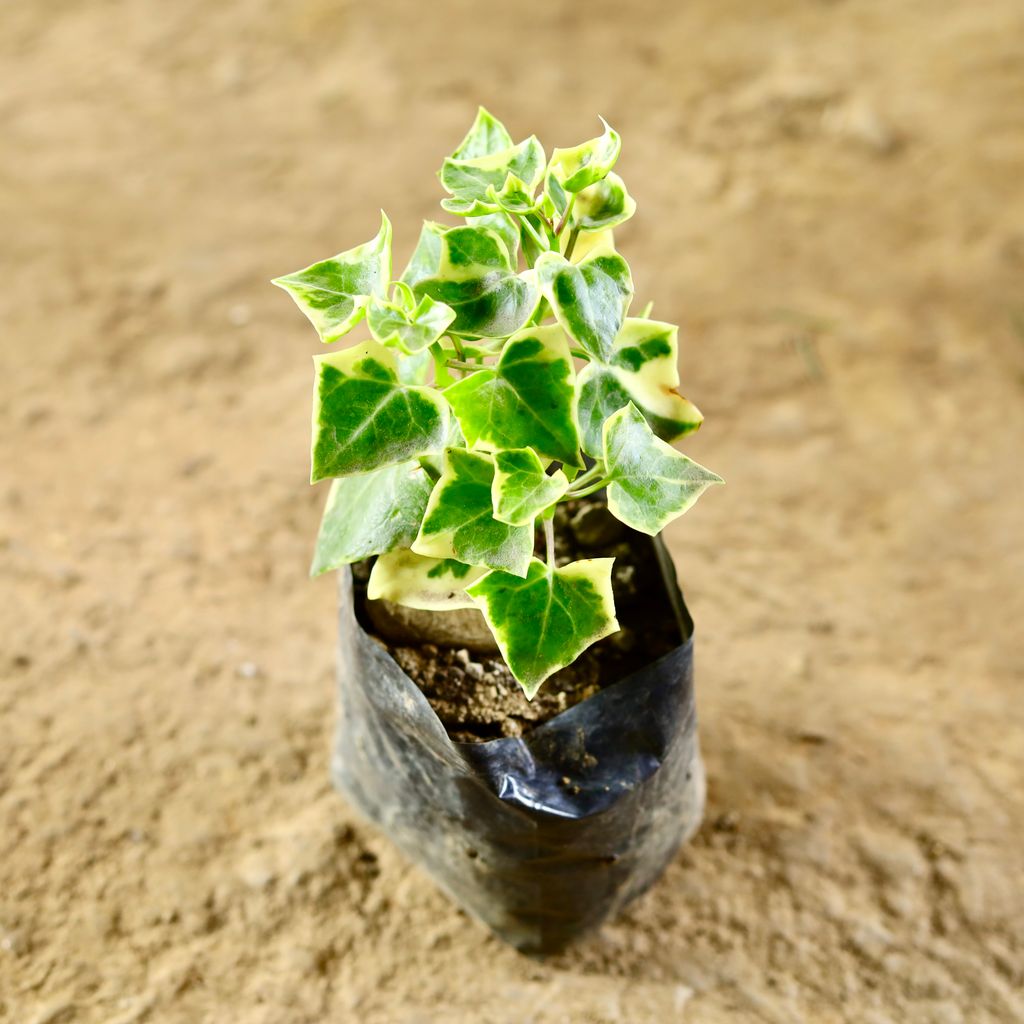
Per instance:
(460,364)
(573,235)
(459,351)
(588,476)
(566,215)
(583,492)
(580,354)
(549,540)
(532,232)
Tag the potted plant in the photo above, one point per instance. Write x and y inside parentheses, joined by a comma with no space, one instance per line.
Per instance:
(515,671)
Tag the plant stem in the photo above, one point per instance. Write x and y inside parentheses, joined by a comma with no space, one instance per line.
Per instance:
(588,476)
(573,235)
(459,351)
(549,539)
(579,353)
(566,215)
(460,364)
(597,485)
(532,232)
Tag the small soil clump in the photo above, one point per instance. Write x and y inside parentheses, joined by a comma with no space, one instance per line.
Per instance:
(476,696)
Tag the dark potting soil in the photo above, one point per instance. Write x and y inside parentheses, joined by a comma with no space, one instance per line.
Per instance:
(476,696)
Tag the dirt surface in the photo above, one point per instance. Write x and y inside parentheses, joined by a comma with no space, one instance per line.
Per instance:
(830,203)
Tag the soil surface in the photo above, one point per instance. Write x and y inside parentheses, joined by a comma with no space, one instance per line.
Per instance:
(478,698)
(830,203)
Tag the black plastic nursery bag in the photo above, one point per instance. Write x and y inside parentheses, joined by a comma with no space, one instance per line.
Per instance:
(540,837)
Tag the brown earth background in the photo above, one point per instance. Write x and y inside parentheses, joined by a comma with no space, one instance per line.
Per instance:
(831,204)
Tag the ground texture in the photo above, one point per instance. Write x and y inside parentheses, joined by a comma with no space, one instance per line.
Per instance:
(831,203)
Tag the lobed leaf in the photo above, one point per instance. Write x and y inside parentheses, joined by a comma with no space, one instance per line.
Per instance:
(556,199)
(486,135)
(370,513)
(589,299)
(411,330)
(525,400)
(545,620)
(521,489)
(581,166)
(431,584)
(641,369)
(470,178)
(650,483)
(506,228)
(603,205)
(415,369)
(426,257)
(364,417)
(515,196)
(475,276)
(333,294)
(459,522)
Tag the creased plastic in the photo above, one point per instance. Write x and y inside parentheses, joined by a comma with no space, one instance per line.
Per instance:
(541,837)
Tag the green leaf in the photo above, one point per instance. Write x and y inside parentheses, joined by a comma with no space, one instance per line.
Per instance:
(411,330)
(370,513)
(642,369)
(544,622)
(365,418)
(333,293)
(521,489)
(603,205)
(426,257)
(469,206)
(582,165)
(590,298)
(515,196)
(556,198)
(525,400)
(475,276)
(414,369)
(430,584)
(506,228)
(459,521)
(487,135)
(650,483)
(470,178)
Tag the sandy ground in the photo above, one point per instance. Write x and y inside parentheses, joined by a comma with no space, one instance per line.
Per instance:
(831,203)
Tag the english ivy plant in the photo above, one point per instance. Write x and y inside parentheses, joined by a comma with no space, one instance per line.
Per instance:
(502,375)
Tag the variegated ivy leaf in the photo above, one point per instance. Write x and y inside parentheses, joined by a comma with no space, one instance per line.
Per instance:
(333,293)
(470,178)
(556,199)
(641,369)
(411,330)
(582,165)
(475,276)
(430,584)
(603,205)
(415,369)
(365,418)
(471,206)
(369,513)
(589,299)
(487,135)
(525,400)
(426,257)
(650,483)
(515,196)
(521,489)
(459,522)
(544,622)
(505,226)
